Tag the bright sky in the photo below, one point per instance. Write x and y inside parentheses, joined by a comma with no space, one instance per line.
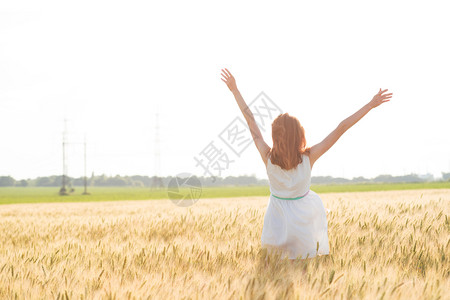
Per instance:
(108,66)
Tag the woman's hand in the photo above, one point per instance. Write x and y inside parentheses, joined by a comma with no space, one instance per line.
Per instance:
(229,80)
(379,98)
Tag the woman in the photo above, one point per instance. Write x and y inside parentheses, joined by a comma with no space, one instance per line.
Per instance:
(295,222)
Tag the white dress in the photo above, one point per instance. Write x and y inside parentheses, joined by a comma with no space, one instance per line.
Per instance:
(296,227)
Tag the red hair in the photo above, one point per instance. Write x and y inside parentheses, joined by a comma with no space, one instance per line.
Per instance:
(289,142)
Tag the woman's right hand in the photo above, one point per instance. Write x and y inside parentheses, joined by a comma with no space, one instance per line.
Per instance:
(380,98)
(229,80)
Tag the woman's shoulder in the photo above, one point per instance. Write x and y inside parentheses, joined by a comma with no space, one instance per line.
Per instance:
(305,160)
(305,155)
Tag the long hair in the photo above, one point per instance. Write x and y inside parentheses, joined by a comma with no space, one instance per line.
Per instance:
(289,142)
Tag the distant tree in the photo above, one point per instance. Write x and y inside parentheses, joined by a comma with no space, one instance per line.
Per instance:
(116,181)
(360,179)
(328,180)
(100,180)
(138,183)
(91,180)
(22,183)
(44,181)
(7,181)
(398,179)
(208,181)
(383,178)
(78,181)
(52,181)
(57,180)
(144,180)
(141,181)
(408,178)
(240,180)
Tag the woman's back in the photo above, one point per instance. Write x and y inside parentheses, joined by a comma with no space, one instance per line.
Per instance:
(289,183)
(295,220)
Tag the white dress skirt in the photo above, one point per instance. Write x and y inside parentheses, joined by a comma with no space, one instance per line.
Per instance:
(295,222)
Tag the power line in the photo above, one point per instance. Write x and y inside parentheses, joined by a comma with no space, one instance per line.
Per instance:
(63,190)
(65,177)
(85,168)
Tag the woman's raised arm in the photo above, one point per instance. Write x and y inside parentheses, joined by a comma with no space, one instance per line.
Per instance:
(261,145)
(322,147)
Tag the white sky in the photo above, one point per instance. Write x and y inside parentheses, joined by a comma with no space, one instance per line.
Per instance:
(107,65)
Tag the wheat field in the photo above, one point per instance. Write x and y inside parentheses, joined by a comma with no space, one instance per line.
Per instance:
(384,245)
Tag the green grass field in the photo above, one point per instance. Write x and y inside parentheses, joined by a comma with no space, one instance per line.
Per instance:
(10,195)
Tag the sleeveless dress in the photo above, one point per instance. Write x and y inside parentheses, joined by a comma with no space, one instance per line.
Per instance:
(295,221)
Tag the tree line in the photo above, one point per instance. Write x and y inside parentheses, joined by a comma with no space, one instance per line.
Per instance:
(149,181)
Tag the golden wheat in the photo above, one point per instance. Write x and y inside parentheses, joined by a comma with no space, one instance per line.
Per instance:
(384,245)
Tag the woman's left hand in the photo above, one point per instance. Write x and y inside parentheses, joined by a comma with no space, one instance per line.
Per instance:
(380,98)
(229,80)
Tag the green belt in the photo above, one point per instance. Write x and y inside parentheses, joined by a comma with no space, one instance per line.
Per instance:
(296,198)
